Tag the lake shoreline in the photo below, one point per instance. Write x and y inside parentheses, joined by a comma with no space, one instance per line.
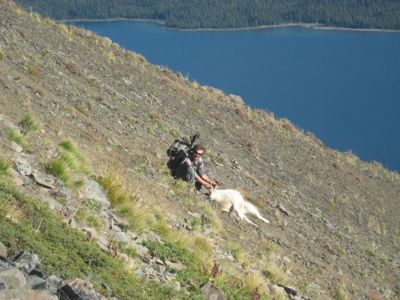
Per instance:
(283,25)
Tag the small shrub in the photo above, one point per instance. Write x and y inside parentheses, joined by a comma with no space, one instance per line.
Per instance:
(237,252)
(254,281)
(35,71)
(111,57)
(396,238)
(131,252)
(161,228)
(70,160)
(192,275)
(233,286)
(210,217)
(137,217)
(4,167)
(195,223)
(68,145)
(169,251)
(87,214)
(59,169)
(28,124)
(72,156)
(16,136)
(19,10)
(340,294)
(276,274)
(113,184)
(1,54)
(203,248)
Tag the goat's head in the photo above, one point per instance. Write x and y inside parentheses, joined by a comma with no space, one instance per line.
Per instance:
(212,194)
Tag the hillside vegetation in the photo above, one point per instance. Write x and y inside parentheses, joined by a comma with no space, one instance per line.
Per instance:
(84,128)
(230,14)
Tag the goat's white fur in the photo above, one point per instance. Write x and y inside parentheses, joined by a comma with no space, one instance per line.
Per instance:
(231,198)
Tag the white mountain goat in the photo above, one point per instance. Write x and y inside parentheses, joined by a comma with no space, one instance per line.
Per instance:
(231,198)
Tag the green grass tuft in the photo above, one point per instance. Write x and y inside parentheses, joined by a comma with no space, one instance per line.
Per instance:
(276,274)
(16,136)
(4,167)
(113,184)
(28,124)
(69,161)
(137,217)
(68,145)
(59,169)
(87,214)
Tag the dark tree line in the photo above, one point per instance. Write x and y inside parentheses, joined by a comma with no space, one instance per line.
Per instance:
(382,14)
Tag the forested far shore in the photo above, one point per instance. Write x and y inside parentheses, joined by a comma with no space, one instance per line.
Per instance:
(383,14)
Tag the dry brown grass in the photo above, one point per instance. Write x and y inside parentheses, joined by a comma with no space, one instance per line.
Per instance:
(254,280)
(274,272)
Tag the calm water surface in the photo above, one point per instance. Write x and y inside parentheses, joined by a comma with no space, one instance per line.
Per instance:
(343,86)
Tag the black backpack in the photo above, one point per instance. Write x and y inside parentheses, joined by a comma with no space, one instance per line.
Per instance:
(180,150)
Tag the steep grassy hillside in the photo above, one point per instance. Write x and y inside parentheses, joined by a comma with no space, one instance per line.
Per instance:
(103,112)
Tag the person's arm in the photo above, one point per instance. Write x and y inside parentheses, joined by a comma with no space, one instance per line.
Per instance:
(204,180)
(202,177)
(208,180)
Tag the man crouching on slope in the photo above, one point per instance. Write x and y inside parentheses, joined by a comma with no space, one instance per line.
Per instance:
(192,169)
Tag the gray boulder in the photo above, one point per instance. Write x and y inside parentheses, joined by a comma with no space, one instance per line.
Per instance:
(26,294)
(121,237)
(210,292)
(53,282)
(3,250)
(22,166)
(79,289)
(12,278)
(92,190)
(26,261)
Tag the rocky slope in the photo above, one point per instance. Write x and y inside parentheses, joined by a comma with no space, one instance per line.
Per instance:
(334,229)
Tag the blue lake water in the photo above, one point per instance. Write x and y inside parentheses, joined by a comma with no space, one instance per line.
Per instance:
(344,86)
